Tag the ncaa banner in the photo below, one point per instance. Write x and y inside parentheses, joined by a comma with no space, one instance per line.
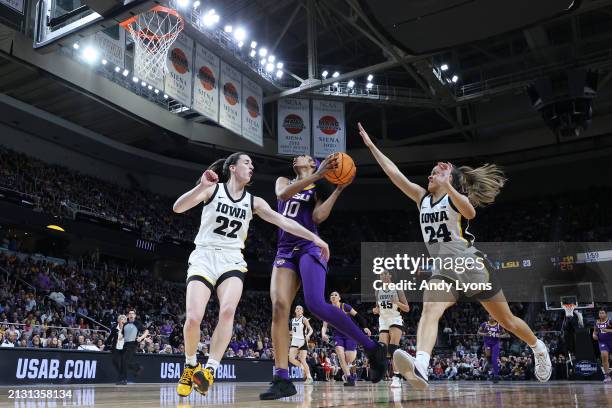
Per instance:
(252,106)
(180,67)
(111,43)
(230,112)
(328,127)
(206,83)
(293,126)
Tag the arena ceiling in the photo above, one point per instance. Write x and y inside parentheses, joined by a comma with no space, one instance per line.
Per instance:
(494,64)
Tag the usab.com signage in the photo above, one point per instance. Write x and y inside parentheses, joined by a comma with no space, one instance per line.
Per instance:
(39,366)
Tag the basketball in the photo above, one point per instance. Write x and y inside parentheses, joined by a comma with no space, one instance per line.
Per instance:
(344,172)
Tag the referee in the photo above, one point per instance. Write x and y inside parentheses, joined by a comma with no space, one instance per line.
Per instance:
(131,340)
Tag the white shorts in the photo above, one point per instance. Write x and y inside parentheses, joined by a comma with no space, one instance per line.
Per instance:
(298,343)
(385,323)
(212,266)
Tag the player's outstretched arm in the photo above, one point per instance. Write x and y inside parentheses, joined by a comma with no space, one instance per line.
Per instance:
(309,329)
(198,194)
(412,190)
(403,302)
(285,189)
(324,335)
(323,208)
(262,208)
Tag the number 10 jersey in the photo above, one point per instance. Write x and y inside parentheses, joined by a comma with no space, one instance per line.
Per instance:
(225,221)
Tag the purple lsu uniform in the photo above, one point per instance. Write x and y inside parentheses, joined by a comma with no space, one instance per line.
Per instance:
(604,339)
(340,339)
(290,248)
(491,339)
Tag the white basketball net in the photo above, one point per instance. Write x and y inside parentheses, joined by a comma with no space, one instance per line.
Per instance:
(569,309)
(153,32)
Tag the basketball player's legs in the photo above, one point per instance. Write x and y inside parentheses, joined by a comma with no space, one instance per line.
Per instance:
(284,285)
(395,335)
(302,358)
(383,337)
(497,306)
(494,359)
(343,363)
(293,353)
(229,293)
(435,302)
(606,363)
(198,295)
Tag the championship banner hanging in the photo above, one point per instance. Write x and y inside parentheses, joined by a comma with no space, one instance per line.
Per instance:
(206,83)
(111,43)
(230,112)
(180,68)
(252,110)
(328,127)
(293,126)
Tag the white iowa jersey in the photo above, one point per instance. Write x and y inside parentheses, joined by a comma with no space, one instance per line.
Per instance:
(386,308)
(225,222)
(444,229)
(298,328)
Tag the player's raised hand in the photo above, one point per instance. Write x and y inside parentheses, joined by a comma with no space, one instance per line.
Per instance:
(330,162)
(443,174)
(209,178)
(324,248)
(364,135)
(341,187)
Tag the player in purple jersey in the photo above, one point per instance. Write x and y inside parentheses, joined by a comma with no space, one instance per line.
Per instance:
(603,334)
(346,348)
(492,332)
(299,262)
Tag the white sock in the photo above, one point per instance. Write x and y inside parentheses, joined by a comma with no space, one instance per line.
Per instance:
(539,347)
(214,364)
(422,359)
(191,360)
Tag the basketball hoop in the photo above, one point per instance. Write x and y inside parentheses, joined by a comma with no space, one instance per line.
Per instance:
(153,32)
(569,309)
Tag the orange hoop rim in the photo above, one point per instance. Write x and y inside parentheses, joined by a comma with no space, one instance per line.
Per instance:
(139,33)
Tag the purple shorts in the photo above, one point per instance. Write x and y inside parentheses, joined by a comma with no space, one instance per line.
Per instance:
(347,343)
(290,258)
(491,343)
(605,345)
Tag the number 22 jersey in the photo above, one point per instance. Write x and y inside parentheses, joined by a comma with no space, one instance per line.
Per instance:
(225,221)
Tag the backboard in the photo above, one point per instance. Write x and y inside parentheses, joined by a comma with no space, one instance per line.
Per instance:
(580,294)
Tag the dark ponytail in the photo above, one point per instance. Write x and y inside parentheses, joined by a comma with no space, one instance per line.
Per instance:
(217,167)
(222,167)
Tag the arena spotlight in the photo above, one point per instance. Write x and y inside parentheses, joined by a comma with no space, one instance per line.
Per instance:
(135,79)
(279,74)
(75,46)
(210,18)
(117,69)
(263,61)
(240,44)
(280,65)
(156,91)
(269,67)
(271,58)
(335,74)
(90,54)
(165,96)
(126,72)
(455,78)
(182,3)
(263,52)
(253,53)
(240,34)
(253,44)
(143,83)
(228,28)
(370,78)
(104,62)
(196,4)
(369,85)
(444,67)
(350,83)
(324,74)
(336,84)
(150,88)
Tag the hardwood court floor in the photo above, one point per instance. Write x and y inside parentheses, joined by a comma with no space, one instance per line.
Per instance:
(440,394)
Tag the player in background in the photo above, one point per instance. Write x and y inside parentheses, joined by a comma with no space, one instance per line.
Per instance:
(492,333)
(301,330)
(603,335)
(217,264)
(346,347)
(298,263)
(389,305)
(450,200)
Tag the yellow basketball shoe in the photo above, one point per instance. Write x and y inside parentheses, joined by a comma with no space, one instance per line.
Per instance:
(183,388)
(203,379)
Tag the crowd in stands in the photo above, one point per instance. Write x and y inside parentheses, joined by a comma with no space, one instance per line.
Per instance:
(71,305)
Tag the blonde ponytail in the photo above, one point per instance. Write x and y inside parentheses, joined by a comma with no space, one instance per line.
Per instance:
(480,184)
